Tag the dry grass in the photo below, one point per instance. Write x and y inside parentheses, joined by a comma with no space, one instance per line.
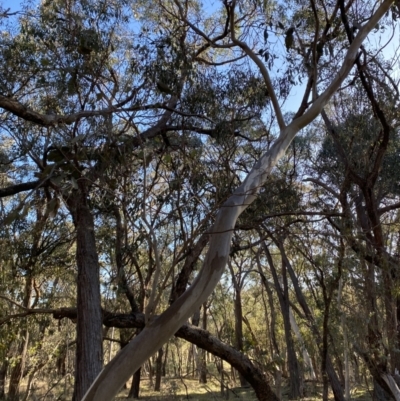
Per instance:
(187,389)
(176,389)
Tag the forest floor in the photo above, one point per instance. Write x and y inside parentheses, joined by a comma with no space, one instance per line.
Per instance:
(176,389)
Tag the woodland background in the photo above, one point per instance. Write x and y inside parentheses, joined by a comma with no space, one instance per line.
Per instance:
(126,125)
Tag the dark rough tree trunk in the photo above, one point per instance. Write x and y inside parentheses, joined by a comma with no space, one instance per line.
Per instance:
(158,369)
(239,329)
(89,341)
(135,387)
(3,378)
(202,352)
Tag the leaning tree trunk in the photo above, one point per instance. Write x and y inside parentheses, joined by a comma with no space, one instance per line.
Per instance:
(89,338)
(159,330)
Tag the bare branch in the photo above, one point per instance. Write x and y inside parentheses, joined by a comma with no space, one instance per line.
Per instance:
(15,189)
(261,66)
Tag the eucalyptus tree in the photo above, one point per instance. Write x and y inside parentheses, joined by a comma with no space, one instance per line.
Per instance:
(164,326)
(91,86)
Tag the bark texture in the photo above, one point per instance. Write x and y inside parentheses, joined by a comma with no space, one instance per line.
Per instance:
(135,387)
(89,340)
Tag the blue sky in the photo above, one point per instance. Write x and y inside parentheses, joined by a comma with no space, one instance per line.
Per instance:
(14,5)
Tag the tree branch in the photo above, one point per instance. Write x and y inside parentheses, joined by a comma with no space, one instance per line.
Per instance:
(261,66)
(16,189)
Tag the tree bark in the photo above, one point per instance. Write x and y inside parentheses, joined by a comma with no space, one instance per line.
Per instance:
(135,387)
(89,338)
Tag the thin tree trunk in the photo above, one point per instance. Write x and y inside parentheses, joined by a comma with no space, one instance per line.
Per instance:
(345,344)
(3,378)
(202,352)
(151,373)
(110,350)
(135,387)
(158,369)
(17,371)
(239,329)
(238,316)
(275,352)
(189,360)
(164,366)
(61,359)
